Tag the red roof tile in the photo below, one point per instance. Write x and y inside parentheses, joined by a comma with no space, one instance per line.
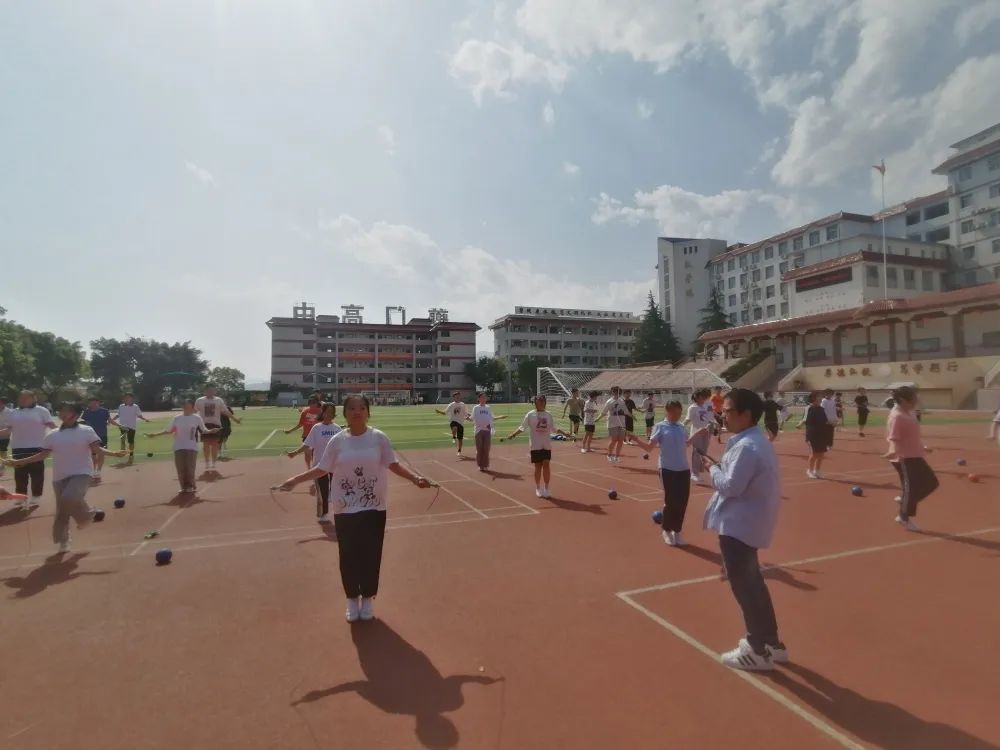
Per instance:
(863,256)
(967,157)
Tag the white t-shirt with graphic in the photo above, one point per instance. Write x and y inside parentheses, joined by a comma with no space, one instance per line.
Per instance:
(482,418)
(649,407)
(456,411)
(186,429)
(700,416)
(360,468)
(71,451)
(539,425)
(590,410)
(319,437)
(128,415)
(28,426)
(616,410)
(210,410)
(830,407)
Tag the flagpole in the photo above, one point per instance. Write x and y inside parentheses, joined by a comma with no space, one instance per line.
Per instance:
(885,255)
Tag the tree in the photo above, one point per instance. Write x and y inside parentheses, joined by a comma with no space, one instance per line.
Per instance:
(228,380)
(156,372)
(655,340)
(713,316)
(37,360)
(526,374)
(486,372)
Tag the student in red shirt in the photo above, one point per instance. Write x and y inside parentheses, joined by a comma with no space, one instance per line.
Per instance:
(307,418)
(907,454)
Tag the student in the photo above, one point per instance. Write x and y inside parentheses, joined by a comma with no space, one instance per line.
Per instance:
(539,425)
(127,419)
(483,421)
(224,434)
(187,429)
(994,433)
(838,400)
(315,442)
(210,407)
(630,409)
(72,447)
(861,404)
(907,454)
(575,406)
(457,413)
(716,401)
(784,411)
(817,435)
(615,410)
(5,412)
(830,409)
(97,418)
(744,511)
(701,421)
(771,416)
(590,409)
(675,473)
(649,413)
(26,428)
(307,418)
(357,459)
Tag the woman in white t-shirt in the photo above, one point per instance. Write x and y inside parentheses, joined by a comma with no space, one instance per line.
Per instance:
(187,429)
(540,425)
(72,448)
(27,425)
(359,459)
(483,420)
(320,435)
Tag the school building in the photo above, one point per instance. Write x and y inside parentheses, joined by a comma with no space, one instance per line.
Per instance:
(420,359)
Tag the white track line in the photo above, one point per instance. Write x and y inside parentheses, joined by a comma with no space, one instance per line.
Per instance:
(621,495)
(504,495)
(263,442)
(830,731)
(464,502)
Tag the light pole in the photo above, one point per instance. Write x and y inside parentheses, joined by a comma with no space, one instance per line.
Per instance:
(885,257)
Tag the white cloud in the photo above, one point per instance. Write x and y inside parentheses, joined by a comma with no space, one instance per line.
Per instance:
(571,169)
(387,137)
(400,253)
(644,109)
(490,67)
(200,173)
(680,212)
(976,19)
(548,114)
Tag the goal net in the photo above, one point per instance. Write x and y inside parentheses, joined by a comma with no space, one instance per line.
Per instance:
(556,383)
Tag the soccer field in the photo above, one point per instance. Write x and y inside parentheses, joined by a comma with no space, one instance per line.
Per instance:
(409,427)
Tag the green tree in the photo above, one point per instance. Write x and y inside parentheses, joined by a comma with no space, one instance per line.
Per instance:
(713,316)
(228,380)
(156,372)
(651,337)
(526,373)
(37,360)
(486,372)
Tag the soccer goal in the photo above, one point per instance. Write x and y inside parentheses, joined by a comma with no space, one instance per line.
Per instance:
(556,383)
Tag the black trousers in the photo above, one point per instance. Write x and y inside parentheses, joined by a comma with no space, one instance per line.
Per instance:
(918,481)
(359,539)
(676,491)
(34,472)
(830,431)
(323,495)
(750,591)
(862,417)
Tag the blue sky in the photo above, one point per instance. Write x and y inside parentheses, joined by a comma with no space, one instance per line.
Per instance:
(193,168)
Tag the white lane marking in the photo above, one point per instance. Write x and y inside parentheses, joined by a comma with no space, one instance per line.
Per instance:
(263,442)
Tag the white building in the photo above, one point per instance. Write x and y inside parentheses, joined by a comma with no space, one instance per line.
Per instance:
(685,288)
(565,337)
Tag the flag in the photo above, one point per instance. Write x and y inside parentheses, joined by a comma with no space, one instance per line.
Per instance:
(880,167)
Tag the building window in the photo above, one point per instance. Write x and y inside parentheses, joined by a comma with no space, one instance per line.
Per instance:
(784,291)
(797,243)
(444,363)
(784,309)
(996,272)
(744,317)
(863,350)
(756,295)
(832,232)
(813,355)
(814,238)
(770,311)
(995,219)
(892,278)
(732,318)
(307,361)
(755,256)
(731,283)
(994,163)
(756,274)
(444,347)
(758,313)
(965,173)
(964,201)
(872,276)
(743,280)
(969,252)
(307,344)
(445,377)
(444,334)
(969,278)
(770,291)
(732,300)
(909,278)
(912,218)
(925,345)
(996,246)
(743,298)
(769,272)
(927,281)
(995,190)
(916,238)
(967,226)
(783,267)
(744,262)
(769,252)
(731,264)
(938,209)
(783,248)
(800,261)
(939,235)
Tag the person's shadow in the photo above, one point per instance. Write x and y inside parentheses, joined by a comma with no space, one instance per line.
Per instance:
(781,575)
(573,505)
(879,723)
(329,534)
(972,541)
(503,475)
(57,569)
(402,680)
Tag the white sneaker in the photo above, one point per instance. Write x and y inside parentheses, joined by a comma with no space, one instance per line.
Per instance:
(678,539)
(20,505)
(367,608)
(695,478)
(353,611)
(898,498)
(324,519)
(907,524)
(819,475)
(743,657)
(33,502)
(538,492)
(668,538)
(811,474)
(64,546)
(545,492)
(778,654)
(611,459)
(583,450)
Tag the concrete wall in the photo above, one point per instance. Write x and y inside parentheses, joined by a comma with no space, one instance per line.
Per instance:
(757,375)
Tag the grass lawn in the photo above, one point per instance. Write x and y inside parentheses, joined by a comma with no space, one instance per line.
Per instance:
(409,427)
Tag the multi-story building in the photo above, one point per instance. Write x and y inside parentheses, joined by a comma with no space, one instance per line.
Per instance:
(565,337)
(683,260)
(413,360)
